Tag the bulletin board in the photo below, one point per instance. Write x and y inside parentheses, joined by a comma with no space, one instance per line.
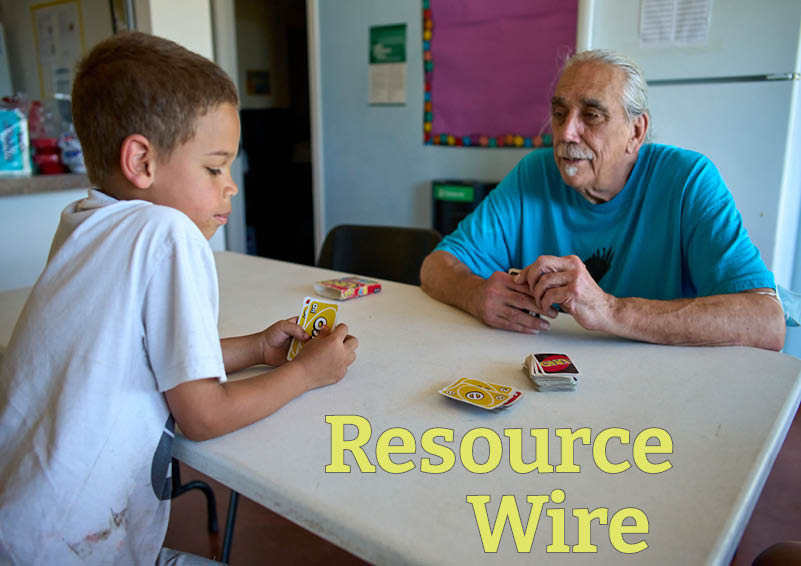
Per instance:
(490,69)
(58,33)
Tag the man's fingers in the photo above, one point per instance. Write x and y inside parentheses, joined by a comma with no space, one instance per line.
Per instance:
(516,319)
(531,274)
(528,277)
(547,282)
(522,301)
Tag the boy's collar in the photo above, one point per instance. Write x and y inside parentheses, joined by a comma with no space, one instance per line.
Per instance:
(96,199)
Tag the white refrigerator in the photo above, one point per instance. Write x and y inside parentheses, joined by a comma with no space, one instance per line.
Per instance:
(732,93)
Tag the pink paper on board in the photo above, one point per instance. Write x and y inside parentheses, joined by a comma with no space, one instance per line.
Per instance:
(494,64)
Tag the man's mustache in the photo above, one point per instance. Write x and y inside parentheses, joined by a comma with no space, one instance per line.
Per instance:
(573,151)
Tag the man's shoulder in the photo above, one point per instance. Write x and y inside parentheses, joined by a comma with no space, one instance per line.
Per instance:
(665,155)
(534,170)
(683,174)
(539,157)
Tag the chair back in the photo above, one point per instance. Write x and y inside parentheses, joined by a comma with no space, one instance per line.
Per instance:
(386,252)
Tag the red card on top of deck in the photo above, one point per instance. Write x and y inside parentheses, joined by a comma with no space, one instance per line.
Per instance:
(551,372)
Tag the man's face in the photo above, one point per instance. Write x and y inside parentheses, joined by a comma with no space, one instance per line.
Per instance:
(593,145)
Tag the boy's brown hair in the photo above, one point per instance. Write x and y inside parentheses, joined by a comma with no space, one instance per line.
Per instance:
(135,83)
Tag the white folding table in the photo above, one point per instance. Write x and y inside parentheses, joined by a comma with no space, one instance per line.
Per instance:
(726,410)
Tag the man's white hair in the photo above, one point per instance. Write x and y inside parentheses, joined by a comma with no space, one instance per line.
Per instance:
(635,89)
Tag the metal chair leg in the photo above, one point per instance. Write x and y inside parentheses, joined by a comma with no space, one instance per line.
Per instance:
(211,501)
(229,526)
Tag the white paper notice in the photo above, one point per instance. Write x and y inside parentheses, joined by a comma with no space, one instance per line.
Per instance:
(387,83)
(666,23)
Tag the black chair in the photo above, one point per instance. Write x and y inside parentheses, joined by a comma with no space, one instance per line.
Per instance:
(386,252)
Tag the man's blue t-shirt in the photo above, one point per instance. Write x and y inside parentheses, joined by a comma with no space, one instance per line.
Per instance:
(672,232)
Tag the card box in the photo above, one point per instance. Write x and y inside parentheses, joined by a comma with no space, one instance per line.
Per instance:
(347,287)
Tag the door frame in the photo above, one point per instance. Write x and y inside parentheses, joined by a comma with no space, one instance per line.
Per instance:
(224,39)
(316,118)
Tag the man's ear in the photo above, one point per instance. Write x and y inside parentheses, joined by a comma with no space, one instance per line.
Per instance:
(639,129)
(138,160)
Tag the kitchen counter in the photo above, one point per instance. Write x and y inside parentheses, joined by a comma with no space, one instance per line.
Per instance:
(10,186)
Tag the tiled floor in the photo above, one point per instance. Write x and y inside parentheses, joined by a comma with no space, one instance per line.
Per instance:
(262,537)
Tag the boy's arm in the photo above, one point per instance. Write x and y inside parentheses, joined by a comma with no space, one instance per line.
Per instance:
(206,408)
(267,347)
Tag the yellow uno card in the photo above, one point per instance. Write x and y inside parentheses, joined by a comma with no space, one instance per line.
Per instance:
(475,392)
(314,314)
(505,389)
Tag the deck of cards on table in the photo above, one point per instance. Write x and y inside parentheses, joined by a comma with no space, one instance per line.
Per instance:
(482,393)
(347,287)
(551,372)
(314,314)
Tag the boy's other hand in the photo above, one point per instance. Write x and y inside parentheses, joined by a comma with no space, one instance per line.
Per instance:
(325,359)
(275,340)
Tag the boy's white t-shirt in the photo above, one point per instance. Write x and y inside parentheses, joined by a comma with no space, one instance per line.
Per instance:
(125,309)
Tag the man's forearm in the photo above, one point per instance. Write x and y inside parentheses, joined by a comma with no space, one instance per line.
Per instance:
(497,301)
(446,279)
(738,319)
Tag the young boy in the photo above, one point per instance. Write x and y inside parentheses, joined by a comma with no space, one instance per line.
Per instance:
(119,334)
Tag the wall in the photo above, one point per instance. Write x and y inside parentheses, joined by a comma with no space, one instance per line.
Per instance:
(27,226)
(375,167)
(186,22)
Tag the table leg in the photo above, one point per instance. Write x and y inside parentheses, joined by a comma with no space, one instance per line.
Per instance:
(229,526)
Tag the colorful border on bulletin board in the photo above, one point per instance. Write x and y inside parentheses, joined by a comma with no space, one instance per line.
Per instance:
(445,138)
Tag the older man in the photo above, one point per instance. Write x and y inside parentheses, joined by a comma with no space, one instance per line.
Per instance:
(633,238)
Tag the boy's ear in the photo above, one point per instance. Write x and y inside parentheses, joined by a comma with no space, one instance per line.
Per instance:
(138,160)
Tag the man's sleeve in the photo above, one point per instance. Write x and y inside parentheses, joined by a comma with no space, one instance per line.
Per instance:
(720,256)
(488,239)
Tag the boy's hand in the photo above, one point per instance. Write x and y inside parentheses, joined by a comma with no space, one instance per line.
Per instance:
(325,359)
(275,340)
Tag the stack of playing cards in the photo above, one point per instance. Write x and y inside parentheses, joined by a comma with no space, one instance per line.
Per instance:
(551,372)
(482,393)
(314,314)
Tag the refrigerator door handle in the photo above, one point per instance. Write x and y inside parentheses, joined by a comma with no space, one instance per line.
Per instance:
(784,77)
(734,79)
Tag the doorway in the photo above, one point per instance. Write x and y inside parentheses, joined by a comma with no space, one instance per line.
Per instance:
(272,61)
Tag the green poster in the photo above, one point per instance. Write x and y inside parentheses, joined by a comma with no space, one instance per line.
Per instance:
(388,44)
(387,65)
